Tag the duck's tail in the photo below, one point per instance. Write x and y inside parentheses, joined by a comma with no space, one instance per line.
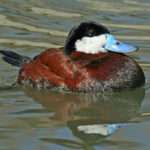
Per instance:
(14,58)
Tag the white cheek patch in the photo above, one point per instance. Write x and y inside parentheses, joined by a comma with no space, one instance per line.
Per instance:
(91,45)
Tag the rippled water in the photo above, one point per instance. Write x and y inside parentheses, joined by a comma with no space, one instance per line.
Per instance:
(50,120)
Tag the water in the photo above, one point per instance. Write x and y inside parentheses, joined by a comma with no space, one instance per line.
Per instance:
(31,119)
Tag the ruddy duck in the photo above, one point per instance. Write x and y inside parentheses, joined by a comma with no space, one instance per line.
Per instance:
(92,60)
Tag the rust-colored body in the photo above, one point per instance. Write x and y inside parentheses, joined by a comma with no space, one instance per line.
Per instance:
(81,72)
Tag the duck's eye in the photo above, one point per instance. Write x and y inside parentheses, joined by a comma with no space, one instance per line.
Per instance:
(90,33)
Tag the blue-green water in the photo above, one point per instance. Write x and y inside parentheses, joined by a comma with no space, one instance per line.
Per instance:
(33,120)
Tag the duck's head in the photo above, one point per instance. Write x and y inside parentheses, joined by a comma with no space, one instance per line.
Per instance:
(92,38)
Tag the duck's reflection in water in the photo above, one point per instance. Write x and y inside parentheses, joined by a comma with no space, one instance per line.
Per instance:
(90,117)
